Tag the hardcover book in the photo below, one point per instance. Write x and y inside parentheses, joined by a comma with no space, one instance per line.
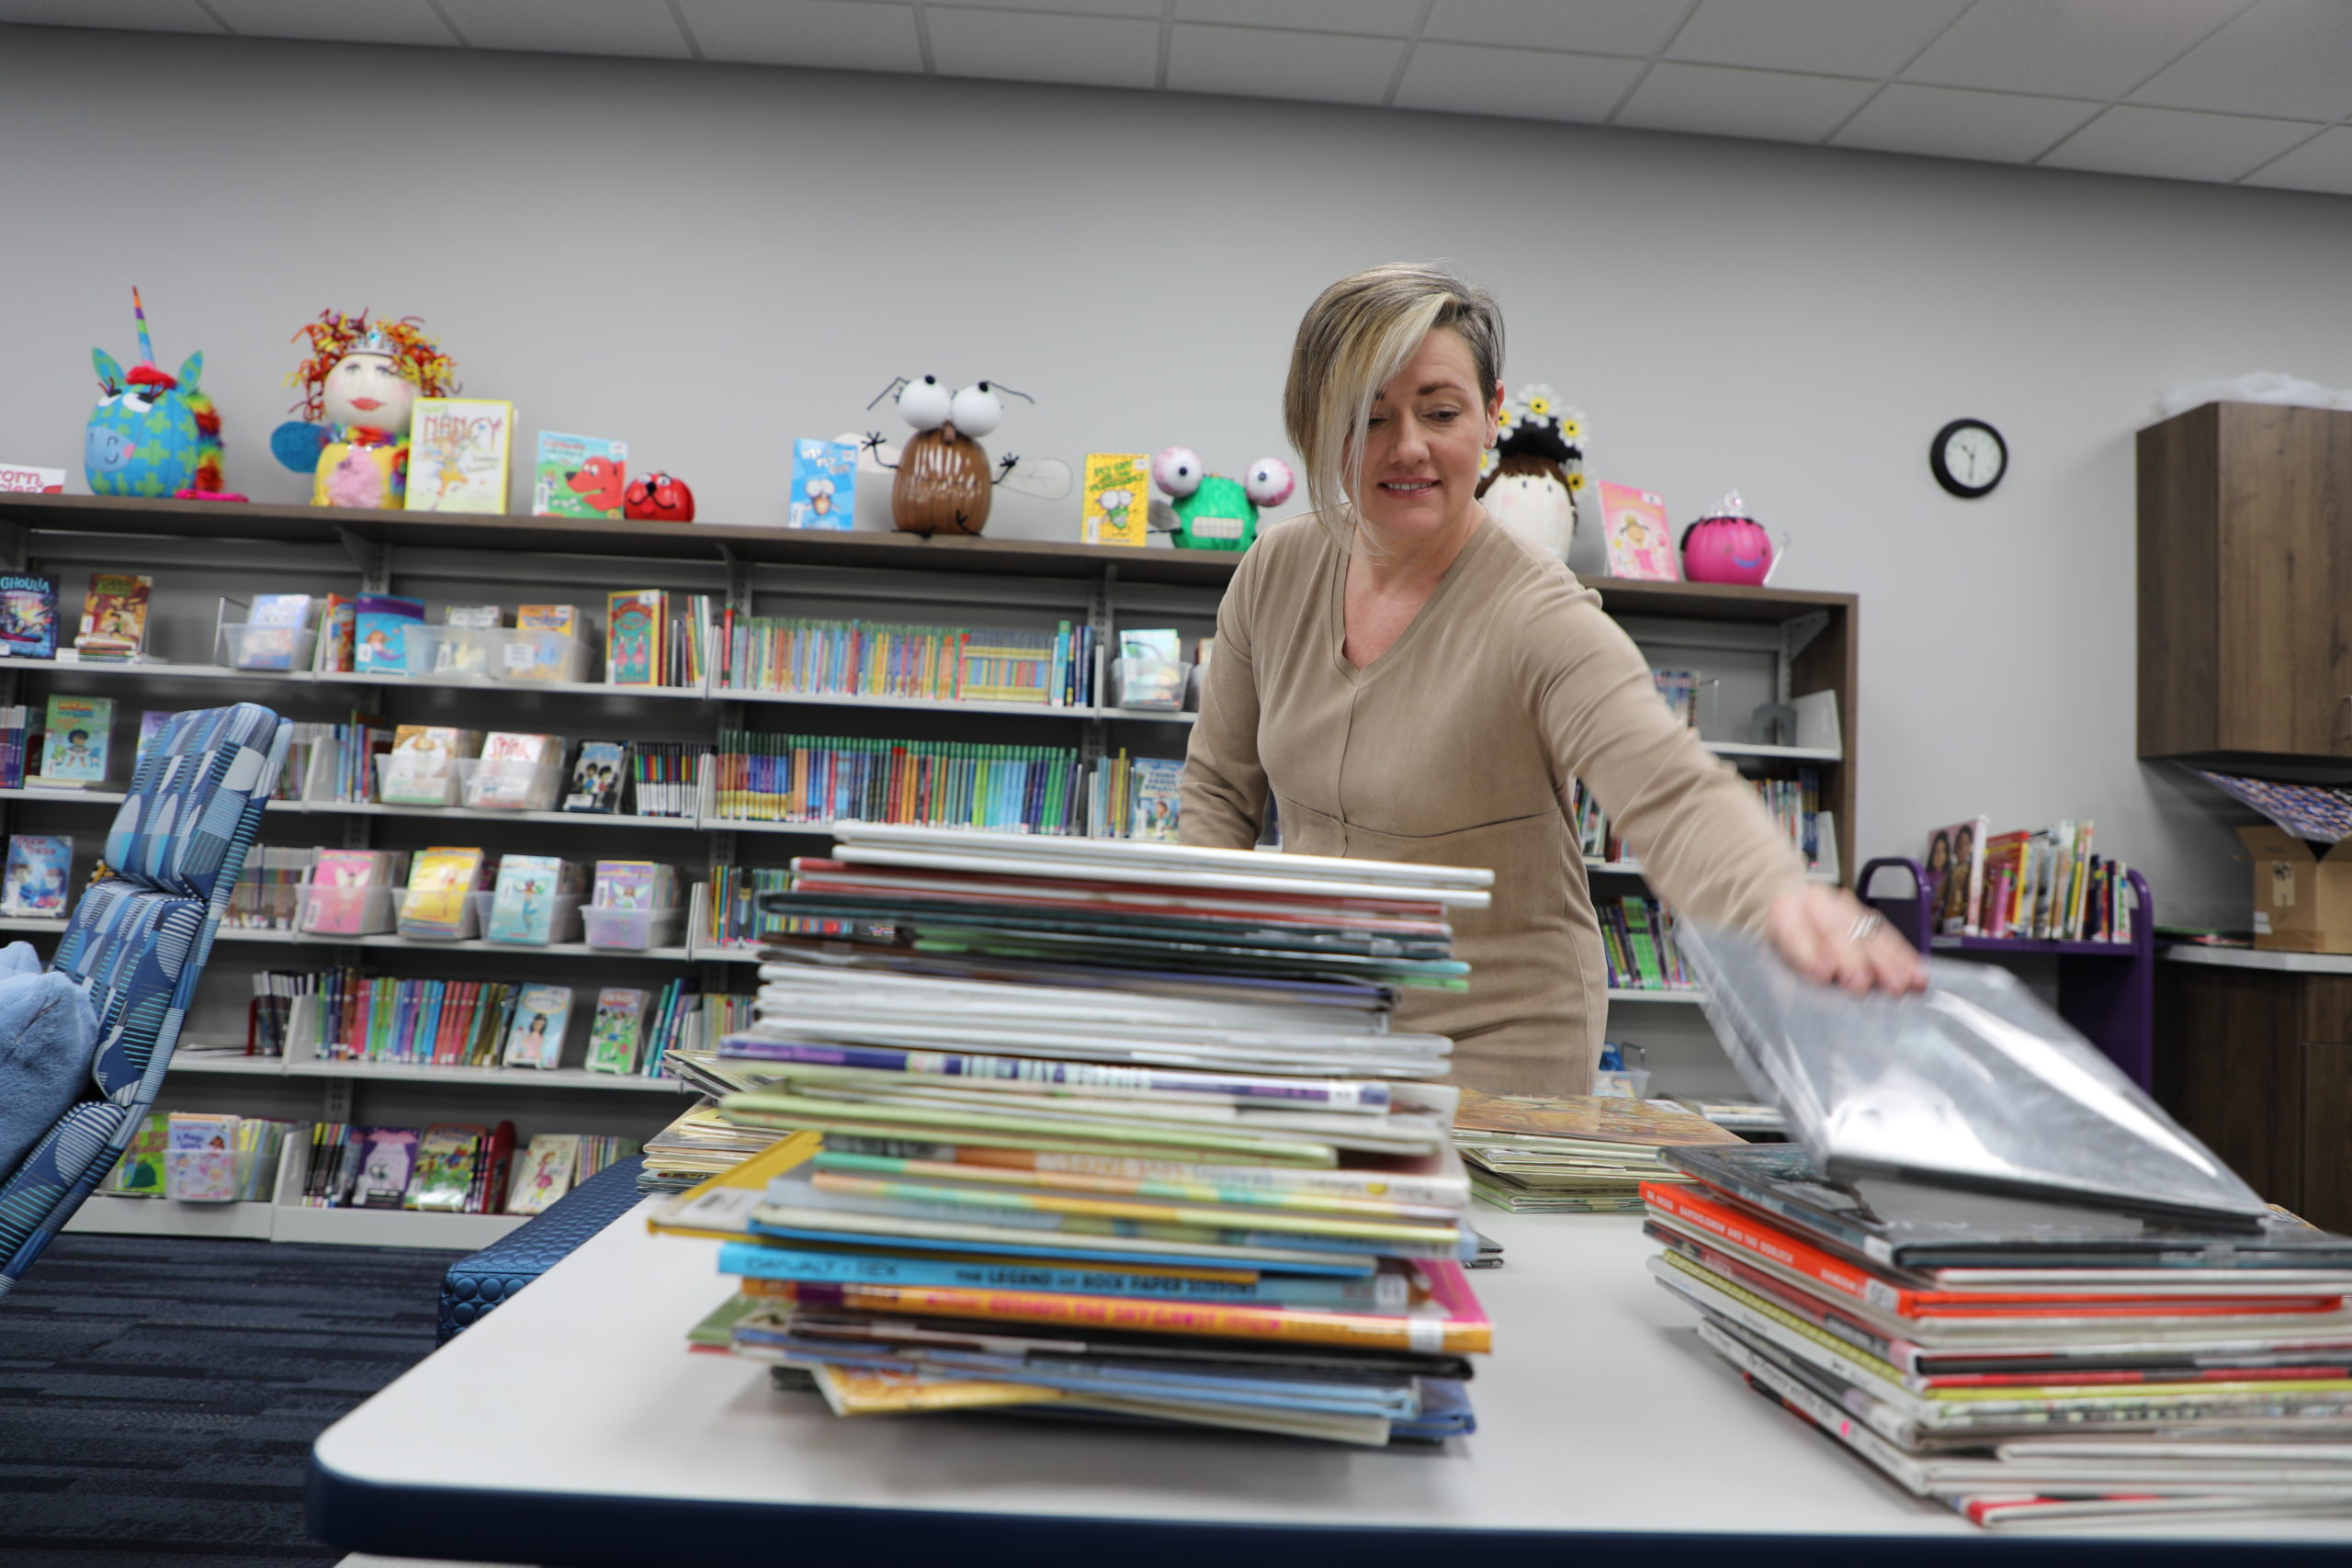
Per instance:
(381,632)
(458,453)
(81,730)
(114,616)
(541,1015)
(199,1158)
(824,485)
(1157,782)
(613,1034)
(633,625)
(447,1159)
(434,904)
(28,615)
(387,1158)
(596,775)
(1116,504)
(579,475)
(546,1173)
(1641,544)
(36,879)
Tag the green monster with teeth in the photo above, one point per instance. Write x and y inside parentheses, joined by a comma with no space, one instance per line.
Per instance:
(1214,512)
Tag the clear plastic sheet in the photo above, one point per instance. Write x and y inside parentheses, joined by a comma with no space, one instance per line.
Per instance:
(1973,1083)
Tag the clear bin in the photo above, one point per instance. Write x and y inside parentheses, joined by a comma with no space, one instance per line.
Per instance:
(345,911)
(469,927)
(532,655)
(563,928)
(634,929)
(1150,685)
(418,778)
(445,652)
(508,784)
(244,647)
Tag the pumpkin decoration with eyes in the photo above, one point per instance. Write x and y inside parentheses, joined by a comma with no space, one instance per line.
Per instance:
(1728,546)
(1535,469)
(153,434)
(1214,512)
(360,386)
(943,485)
(658,498)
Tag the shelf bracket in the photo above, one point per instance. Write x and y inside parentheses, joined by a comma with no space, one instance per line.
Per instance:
(374,558)
(1796,634)
(739,581)
(335,1103)
(14,555)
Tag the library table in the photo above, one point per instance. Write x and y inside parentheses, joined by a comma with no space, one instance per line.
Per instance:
(572,1426)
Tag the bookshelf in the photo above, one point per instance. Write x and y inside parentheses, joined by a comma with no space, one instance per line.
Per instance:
(1766,645)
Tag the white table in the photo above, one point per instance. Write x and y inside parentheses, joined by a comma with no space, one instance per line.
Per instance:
(572,1426)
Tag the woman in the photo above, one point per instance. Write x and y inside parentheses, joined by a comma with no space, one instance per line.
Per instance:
(1409,681)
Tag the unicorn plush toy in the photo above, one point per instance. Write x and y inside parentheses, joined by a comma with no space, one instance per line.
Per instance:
(152,432)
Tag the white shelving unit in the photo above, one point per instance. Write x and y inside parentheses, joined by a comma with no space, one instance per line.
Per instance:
(412,1073)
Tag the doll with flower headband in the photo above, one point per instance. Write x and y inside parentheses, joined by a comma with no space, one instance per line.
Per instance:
(359,386)
(1535,471)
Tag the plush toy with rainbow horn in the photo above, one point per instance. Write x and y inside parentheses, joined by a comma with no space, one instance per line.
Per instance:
(152,432)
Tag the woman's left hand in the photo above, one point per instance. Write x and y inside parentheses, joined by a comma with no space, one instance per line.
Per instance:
(1827,935)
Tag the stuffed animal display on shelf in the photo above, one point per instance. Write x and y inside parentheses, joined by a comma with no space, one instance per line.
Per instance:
(943,484)
(1214,512)
(1536,468)
(658,498)
(359,388)
(152,432)
(1728,546)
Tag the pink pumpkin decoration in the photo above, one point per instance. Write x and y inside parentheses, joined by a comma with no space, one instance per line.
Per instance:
(1726,546)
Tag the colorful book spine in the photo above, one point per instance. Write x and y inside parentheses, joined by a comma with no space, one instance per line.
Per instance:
(1383,1294)
(767,777)
(1319,1094)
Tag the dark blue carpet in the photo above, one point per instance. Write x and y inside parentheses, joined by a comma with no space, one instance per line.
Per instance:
(158,1396)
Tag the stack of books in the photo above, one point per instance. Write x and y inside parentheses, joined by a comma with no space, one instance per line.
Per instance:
(1133,1106)
(1580,1154)
(2042,885)
(2023,1361)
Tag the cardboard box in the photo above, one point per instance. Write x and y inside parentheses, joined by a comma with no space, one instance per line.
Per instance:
(2302,891)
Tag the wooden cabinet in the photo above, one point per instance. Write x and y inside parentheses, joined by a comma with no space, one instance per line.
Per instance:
(2258,1064)
(2246,584)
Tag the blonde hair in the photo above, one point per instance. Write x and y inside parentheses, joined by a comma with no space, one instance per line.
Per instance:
(1357,334)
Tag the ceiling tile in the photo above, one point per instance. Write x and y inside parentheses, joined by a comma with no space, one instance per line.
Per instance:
(1845,38)
(2324,163)
(2070,48)
(1145,8)
(1952,123)
(2176,144)
(340,21)
(1388,19)
(137,16)
(2284,57)
(639,29)
(1777,105)
(1261,62)
(838,35)
(1021,46)
(1522,83)
(1590,26)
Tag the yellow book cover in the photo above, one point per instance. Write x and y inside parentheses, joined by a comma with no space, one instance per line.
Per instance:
(875,1391)
(437,886)
(1117,498)
(721,1207)
(459,449)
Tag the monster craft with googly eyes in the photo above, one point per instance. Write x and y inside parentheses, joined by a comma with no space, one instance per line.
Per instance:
(1214,512)
(943,484)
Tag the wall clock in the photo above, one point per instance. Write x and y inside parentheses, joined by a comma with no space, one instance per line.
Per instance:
(1968,457)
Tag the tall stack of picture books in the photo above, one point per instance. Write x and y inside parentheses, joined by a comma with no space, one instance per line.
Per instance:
(2041,884)
(767,777)
(1579,1154)
(1105,1129)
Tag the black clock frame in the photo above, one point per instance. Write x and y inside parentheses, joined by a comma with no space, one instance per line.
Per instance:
(1951,481)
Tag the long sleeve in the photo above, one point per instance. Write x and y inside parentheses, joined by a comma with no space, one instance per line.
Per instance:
(1224,787)
(1706,843)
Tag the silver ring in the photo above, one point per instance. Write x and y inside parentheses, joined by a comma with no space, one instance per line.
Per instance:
(1865,927)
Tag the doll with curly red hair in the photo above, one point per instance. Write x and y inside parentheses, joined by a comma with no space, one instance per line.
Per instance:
(359,386)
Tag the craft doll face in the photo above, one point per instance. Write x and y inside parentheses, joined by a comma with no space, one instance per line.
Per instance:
(365,389)
(1429,423)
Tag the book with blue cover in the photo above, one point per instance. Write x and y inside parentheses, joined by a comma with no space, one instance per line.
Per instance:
(380,630)
(36,878)
(80,738)
(824,485)
(522,904)
(28,615)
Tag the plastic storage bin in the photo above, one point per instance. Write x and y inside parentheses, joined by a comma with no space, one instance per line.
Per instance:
(345,911)
(1148,685)
(418,778)
(563,928)
(633,929)
(508,784)
(493,653)
(243,647)
(531,655)
(468,926)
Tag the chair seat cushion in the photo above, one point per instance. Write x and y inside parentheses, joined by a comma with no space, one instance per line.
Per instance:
(48,1036)
(479,1281)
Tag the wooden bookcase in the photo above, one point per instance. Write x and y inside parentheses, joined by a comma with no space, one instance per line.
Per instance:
(1760,645)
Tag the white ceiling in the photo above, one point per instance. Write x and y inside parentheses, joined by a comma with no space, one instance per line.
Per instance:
(2235,92)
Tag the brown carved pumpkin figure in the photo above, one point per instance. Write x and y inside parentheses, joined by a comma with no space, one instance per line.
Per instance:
(943,485)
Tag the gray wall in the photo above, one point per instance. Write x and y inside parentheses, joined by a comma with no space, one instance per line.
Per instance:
(709,260)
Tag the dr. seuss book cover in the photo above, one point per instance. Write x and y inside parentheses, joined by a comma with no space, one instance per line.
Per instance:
(36,876)
(579,475)
(114,616)
(80,731)
(28,615)
(541,1015)
(1116,507)
(824,484)
(613,1034)
(21,479)
(1641,544)
(459,452)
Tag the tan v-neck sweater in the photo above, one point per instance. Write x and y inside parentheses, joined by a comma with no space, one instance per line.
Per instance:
(1457,747)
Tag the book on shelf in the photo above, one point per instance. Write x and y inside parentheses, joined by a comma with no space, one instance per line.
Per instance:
(38,875)
(1158,799)
(451,1157)
(339,902)
(1679,688)
(435,905)
(199,1158)
(519,772)
(824,485)
(857,658)
(616,1030)
(114,617)
(339,635)
(545,1172)
(273,626)
(459,451)
(380,630)
(16,744)
(2046,885)
(579,475)
(139,1172)
(465,655)
(542,1013)
(153,722)
(1954,884)
(664,776)
(1637,941)
(28,615)
(269,1017)
(767,777)
(732,913)
(1640,543)
(1114,504)
(524,896)
(386,1159)
(421,769)
(597,775)
(634,885)
(413,1022)
(634,640)
(78,738)
(29,478)
(1151,672)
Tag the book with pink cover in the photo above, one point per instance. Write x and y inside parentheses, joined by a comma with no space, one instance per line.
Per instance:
(1641,544)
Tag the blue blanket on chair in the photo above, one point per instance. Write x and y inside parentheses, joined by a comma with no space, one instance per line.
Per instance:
(48,1036)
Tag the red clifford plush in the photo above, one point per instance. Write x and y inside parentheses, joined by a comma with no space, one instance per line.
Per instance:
(659,498)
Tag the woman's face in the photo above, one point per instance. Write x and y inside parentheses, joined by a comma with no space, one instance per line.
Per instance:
(1429,423)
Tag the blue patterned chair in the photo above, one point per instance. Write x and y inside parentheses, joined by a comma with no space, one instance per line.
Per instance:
(137,944)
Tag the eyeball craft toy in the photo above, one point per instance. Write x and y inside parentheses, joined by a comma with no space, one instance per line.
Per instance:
(1214,512)
(943,484)
(359,387)
(153,434)
(1728,546)
(1535,470)
(658,498)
